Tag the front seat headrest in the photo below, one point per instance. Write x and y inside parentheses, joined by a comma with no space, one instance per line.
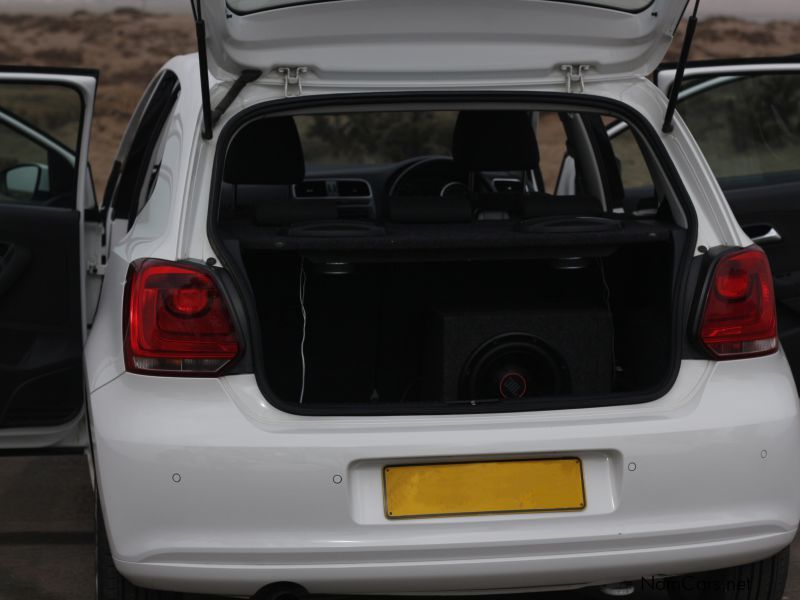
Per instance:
(495,140)
(266,152)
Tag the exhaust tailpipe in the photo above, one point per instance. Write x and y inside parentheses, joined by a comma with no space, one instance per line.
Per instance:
(281,591)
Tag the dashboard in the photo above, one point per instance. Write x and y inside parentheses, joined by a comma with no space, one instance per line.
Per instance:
(364,193)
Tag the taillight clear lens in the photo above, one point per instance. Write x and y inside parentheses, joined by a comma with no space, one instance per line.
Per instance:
(739,318)
(177,321)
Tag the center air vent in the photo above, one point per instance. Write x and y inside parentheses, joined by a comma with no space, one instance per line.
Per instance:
(353,188)
(311,189)
(333,188)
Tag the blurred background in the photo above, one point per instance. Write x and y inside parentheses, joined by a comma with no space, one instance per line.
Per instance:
(128,40)
(46,506)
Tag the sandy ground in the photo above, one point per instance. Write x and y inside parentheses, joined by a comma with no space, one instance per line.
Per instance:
(128,46)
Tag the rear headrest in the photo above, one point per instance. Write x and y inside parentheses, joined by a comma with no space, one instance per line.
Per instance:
(495,140)
(266,152)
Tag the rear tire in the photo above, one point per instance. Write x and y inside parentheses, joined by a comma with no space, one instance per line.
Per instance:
(111,585)
(762,580)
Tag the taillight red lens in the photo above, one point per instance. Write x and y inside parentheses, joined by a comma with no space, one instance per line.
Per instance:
(739,318)
(177,321)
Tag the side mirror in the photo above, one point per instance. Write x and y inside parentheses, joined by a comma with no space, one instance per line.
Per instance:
(21,182)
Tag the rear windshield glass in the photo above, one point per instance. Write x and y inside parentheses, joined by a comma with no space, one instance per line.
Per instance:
(372,138)
(350,140)
(355,145)
(251,6)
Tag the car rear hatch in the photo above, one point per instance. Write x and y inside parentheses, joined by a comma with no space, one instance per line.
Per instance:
(393,42)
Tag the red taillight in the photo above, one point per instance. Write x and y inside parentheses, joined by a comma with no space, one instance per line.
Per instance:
(177,321)
(739,317)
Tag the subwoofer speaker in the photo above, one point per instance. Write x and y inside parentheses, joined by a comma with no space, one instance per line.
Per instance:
(514,355)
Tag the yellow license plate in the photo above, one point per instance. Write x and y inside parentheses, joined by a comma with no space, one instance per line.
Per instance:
(485,487)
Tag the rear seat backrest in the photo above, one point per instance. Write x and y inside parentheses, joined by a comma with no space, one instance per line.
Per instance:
(289,211)
(426,209)
(545,205)
(500,206)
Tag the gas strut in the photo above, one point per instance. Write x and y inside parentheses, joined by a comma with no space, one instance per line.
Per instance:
(676,85)
(205,93)
(210,117)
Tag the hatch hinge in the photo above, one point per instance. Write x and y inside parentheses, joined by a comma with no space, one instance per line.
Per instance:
(292,80)
(574,75)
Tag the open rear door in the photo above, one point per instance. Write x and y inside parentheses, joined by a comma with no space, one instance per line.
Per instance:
(45,189)
(745,115)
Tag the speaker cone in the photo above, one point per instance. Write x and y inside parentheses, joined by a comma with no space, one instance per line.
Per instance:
(513,366)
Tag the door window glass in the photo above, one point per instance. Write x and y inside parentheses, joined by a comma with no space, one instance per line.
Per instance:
(40,128)
(137,164)
(374,138)
(748,127)
(632,166)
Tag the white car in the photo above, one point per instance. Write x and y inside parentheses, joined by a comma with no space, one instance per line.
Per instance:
(341,325)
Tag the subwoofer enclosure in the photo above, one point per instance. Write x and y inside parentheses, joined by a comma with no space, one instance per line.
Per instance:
(575,343)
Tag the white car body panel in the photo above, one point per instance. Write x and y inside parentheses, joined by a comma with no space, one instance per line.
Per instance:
(457,41)
(173,230)
(256,501)
(158,231)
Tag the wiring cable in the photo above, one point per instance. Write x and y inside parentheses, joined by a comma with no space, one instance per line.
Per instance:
(304,315)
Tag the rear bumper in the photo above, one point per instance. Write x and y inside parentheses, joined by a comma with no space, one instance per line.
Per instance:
(703,478)
(527,569)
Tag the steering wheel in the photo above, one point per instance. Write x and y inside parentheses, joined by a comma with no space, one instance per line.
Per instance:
(430,176)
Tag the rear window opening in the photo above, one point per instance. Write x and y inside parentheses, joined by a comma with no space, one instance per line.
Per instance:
(453,259)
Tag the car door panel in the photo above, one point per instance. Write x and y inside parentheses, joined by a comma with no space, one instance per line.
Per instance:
(40,317)
(13,261)
(763,208)
(745,115)
(761,211)
(44,125)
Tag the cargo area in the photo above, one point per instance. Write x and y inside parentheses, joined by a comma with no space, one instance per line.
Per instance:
(462,331)
(449,271)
